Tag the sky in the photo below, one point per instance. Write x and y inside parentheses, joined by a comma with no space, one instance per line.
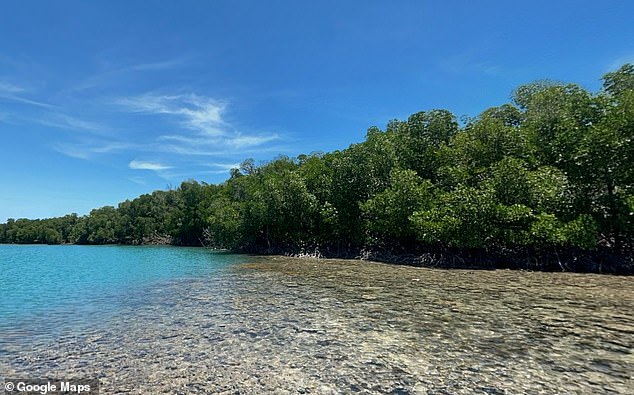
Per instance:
(102,101)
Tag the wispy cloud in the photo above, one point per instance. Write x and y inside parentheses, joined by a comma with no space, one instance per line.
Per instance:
(40,112)
(121,72)
(67,122)
(113,146)
(72,150)
(243,141)
(195,143)
(17,94)
(170,133)
(88,149)
(218,168)
(225,166)
(194,112)
(204,130)
(6,88)
(140,165)
(138,180)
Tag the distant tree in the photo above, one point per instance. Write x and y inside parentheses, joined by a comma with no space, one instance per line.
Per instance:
(387,214)
(553,169)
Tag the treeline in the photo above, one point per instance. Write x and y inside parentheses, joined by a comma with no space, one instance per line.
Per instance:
(552,170)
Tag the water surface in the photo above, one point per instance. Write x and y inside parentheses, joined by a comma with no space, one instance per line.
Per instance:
(169,320)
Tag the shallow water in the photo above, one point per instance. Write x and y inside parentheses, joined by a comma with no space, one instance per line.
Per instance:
(282,325)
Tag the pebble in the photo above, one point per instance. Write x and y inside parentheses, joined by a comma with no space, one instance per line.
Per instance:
(455,332)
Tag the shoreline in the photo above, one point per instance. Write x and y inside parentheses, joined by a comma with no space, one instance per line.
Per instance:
(574,261)
(564,260)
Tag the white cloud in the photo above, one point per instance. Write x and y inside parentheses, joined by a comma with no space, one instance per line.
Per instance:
(6,87)
(188,150)
(185,128)
(113,146)
(15,93)
(139,165)
(185,139)
(204,131)
(194,112)
(250,141)
(88,149)
(72,150)
(201,145)
(18,99)
(67,122)
(138,180)
(53,115)
(225,166)
(112,73)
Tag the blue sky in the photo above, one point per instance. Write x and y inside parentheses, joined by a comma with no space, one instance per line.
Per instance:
(101,101)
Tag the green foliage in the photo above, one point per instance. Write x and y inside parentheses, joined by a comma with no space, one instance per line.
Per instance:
(418,140)
(546,230)
(620,82)
(387,214)
(581,232)
(282,211)
(553,169)
(358,174)
(100,226)
(523,95)
(190,223)
(460,218)
(223,223)
(484,142)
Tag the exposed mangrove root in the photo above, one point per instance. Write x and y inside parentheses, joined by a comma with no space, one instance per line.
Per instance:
(572,260)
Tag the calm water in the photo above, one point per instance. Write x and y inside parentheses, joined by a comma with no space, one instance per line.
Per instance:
(176,320)
(41,281)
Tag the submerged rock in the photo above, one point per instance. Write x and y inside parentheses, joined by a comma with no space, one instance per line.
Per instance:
(350,327)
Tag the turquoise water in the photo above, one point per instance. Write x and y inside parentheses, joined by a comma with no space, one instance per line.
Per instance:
(57,284)
(150,320)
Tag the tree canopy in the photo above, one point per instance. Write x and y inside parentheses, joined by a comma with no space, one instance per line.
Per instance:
(554,168)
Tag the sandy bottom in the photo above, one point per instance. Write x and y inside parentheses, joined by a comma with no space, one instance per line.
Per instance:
(281,325)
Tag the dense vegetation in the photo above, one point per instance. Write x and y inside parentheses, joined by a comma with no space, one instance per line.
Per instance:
(550,172)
